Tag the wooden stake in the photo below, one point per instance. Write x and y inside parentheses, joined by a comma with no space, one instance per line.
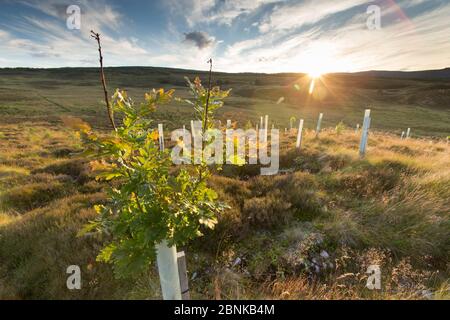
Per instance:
(182,272)
(266,127)
(192,129)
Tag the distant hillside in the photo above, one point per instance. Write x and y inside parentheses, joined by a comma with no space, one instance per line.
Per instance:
(441,74)
(399,100)
(425,75)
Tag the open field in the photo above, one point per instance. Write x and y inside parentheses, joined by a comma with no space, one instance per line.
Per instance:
(422,105)
(307,233)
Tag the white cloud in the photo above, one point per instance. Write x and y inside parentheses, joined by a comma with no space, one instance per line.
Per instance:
(293,38)
(197,12)
(295,15)
(409,44)
(3,34)
(44,38)
(95,14)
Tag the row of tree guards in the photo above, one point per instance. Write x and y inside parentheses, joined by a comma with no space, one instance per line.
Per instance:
(264,126)
(172,264)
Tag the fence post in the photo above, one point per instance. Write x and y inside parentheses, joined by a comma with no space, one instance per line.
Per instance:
(365,133)
(357,128)
(182,272)
(166,258)
(319,123)
(408,133)
(299,134)
(228,124)
(403,135)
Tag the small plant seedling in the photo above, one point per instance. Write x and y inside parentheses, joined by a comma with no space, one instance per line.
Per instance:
(340,127)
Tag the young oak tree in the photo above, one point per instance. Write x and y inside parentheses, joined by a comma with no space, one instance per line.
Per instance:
(149,200)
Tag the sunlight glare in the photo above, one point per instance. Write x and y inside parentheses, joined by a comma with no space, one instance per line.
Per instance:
(311,85)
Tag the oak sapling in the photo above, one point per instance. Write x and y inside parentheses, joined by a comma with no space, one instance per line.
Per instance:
(148,201)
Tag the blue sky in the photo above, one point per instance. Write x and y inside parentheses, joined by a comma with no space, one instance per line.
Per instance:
(256,36)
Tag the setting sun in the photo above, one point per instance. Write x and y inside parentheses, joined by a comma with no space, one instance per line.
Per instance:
(314,74)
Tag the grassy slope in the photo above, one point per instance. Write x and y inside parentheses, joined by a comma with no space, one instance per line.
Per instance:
(390,208)
(396,104)
(386,209)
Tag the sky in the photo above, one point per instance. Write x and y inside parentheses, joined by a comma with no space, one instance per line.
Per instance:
(313,36)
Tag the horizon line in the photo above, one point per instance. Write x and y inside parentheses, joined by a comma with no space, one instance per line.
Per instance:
(242,72)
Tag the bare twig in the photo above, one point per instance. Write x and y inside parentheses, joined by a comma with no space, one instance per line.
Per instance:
(205,117)
(208,94)
(96,36)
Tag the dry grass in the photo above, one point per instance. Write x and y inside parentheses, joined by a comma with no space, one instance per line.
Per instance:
(391,208)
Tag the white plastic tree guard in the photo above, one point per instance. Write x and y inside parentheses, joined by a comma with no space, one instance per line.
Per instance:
(161,136)
(166,256)
(365,133)
(168,271)
(319,124)
(299,134)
